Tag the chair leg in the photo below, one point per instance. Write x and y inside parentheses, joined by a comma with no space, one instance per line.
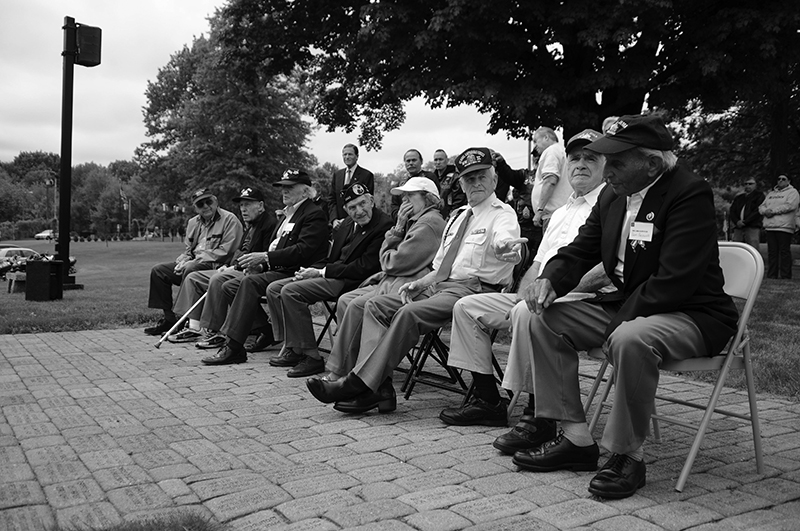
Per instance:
(513,403)
(603,397)
(703,426)
(656,428)
(601,372)
(755,423)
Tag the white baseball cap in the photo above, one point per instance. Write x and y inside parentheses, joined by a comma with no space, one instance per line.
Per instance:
(416,184)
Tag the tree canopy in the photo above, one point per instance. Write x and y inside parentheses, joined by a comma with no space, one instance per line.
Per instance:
(214,123)
(525,64)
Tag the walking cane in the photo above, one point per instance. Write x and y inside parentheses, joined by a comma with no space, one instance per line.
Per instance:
(181,320)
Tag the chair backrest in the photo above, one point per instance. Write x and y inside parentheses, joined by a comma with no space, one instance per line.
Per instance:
(521,267)
(743,269)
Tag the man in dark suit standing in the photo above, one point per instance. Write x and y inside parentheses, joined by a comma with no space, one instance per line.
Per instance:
(654,230)
(412,160)
(300,240)
(353,258)
(351,173)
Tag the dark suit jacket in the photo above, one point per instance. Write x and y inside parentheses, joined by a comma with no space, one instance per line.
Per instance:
(677,271)
(361,258)
(263,228)
(305,244)
(335,201)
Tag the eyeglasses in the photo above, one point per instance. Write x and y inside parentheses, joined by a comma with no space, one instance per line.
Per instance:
(749,184)
(783,178)
(204,202)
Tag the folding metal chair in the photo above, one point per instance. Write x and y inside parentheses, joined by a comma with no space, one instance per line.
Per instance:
(743,269)
(433,347)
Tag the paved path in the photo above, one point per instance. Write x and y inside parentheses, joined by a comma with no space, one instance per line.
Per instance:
(99,426)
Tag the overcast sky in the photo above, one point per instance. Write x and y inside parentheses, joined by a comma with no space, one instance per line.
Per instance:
(138,39)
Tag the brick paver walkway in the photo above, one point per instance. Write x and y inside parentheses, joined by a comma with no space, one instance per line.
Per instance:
(99,426)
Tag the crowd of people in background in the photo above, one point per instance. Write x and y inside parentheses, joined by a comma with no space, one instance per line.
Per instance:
(605,220)
(776,213)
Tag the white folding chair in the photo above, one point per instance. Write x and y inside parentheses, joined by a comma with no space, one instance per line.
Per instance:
(743,269)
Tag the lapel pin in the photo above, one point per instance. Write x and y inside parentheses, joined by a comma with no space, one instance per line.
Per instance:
(650,216)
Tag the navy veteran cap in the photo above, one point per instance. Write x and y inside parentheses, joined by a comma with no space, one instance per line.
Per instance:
(587,136)
(249,194)
(354,191)
(474,159)
(292,176)
(630,131)
(201,194)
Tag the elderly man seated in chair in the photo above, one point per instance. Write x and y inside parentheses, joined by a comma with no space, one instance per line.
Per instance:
(475,256)
(353,258)
(474,317)
(406,254)
(654,230)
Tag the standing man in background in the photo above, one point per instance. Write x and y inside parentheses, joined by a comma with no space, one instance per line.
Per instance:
(779,210)
(343,178)
(744,214)
(452,195)
(413,163)
(550,189)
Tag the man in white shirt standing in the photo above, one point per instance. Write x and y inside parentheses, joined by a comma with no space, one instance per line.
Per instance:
(550,188)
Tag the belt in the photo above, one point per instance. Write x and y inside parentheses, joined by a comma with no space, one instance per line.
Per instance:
(492,287)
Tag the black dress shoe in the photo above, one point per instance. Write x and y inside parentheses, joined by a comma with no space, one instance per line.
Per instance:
(339,391)
(262,343)
(476,412)
(529,433)
(160,328)
(384,399)
(308,367)
(287,358)
(620,477)
(558,454)
(226,356)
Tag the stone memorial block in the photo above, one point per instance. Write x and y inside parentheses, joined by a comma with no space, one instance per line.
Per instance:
(139,498)
(246,502)
(70,493)
(121,476)
(100,515)
(20,493)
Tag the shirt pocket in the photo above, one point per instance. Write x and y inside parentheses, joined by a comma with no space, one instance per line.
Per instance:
(475,246)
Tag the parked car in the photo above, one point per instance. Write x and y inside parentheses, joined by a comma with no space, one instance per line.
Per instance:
(46,235)
(17,252)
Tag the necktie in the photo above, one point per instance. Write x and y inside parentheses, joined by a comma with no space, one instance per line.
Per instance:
(347,177)
(450,256)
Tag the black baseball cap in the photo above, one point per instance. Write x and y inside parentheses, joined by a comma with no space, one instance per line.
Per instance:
(630,131)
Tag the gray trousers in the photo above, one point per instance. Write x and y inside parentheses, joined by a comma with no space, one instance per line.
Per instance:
(391,328)
(163,277)
(635,349)
(288,303)
(195,285)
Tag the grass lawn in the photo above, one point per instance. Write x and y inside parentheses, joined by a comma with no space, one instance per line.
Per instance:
(115,276)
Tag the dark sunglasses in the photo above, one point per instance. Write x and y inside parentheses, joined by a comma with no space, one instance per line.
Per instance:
(204,202)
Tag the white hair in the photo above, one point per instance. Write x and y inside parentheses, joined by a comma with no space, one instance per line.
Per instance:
(668,159)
